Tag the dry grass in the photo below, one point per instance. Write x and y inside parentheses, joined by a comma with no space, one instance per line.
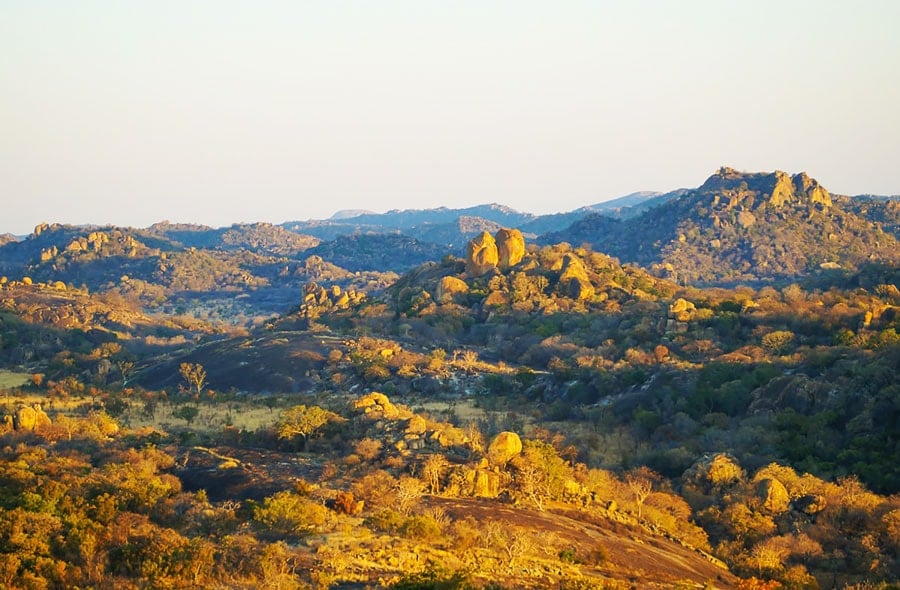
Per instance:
(212,417)
(10,379)
(465,410)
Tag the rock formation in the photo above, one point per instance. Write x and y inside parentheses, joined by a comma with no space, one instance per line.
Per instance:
(449,287)
(783,191)
(504,447)
(574,281)
(377,405)
(681,310)
(481,255)
(317,300)
(510,247)
(30,418)
(810,504)
(774,496)
(810,187)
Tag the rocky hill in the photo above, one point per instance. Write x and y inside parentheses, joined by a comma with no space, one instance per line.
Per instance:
(884,211)
(741,226)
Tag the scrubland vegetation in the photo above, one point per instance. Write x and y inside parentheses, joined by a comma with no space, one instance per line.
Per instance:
(531,416)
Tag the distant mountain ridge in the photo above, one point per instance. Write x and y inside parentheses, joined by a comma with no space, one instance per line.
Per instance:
(736,226)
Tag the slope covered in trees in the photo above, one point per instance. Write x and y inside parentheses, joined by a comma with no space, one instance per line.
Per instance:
(741,227)
(230,408)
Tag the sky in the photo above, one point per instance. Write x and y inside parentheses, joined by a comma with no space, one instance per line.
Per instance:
(219,112)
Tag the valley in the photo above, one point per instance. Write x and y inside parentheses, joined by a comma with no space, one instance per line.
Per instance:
(692,389)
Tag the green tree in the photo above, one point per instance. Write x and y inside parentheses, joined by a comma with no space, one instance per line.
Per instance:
(186,413)
(778,342)
(302,421)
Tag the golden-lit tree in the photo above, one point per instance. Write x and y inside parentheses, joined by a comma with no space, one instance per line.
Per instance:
(194,375)
(302,421)
(433,471)
(641,481)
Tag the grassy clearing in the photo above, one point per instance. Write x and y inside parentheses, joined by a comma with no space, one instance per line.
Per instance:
(10,379)
(211,417)
(464,410)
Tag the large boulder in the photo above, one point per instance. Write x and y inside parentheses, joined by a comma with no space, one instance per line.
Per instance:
(449,287)
(484,483)
(810,504)
(810,187)
(574,279)
(783,191)
(510,247)
(481,255)
(30,418)
(682,310)
(504,447)
(377,405)
(774,496)
(416,425)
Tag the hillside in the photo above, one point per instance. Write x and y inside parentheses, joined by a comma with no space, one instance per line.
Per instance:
(377,252)
(235,274)
(740,227)
(183,406)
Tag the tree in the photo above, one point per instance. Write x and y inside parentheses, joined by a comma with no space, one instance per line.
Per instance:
(409,491)
(640,481)
(302,421)
(778,342)
(540,473)
(194,375)
(186,413)
(125,368)
(433,471)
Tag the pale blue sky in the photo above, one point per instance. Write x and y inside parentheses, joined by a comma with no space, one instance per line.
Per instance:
(223,111)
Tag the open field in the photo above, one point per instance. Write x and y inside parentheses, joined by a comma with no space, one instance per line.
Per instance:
(10,379)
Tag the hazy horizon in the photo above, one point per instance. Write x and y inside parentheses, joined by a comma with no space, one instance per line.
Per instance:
(222,113)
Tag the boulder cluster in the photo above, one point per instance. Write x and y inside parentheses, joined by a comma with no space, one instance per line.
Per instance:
(574,280)
(26,418)
(317,299)
(788,189)
(486,252)
(408,431)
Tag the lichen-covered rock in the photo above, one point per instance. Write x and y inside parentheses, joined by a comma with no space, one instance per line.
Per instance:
(774,496)
(504,447)
(510,247)
(481,255)
(449,287)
